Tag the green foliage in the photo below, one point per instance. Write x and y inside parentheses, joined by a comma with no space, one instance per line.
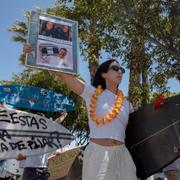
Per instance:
(21,30)
(155,95)
(150,36)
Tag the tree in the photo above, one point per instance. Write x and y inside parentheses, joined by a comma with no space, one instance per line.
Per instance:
(151,37)
(21,32)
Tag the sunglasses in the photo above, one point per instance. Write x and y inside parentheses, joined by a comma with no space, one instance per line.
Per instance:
(117,68)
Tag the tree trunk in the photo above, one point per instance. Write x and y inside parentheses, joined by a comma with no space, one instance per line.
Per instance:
(145,63)
(135,89)
(94,49)
(92,69)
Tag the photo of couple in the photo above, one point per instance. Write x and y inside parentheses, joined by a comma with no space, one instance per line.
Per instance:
(54,30)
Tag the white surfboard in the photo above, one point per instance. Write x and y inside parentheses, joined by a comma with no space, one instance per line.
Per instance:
(29,134)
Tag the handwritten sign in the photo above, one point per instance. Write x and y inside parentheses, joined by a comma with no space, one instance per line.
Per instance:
(59,165)
(29,134)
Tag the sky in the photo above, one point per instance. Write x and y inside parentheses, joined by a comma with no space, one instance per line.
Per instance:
(12,10)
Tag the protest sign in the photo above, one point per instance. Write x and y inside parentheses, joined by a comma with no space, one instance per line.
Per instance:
(29,134)
(59,165)
(54,43)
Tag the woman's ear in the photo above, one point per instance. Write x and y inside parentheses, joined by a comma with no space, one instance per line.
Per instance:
(103,75)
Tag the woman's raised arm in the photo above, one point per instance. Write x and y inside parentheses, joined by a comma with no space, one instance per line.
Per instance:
(72,82)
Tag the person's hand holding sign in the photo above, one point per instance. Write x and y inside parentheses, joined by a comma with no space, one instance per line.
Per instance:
(20,157)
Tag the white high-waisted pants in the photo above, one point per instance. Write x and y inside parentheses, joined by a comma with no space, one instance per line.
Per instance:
(108,163)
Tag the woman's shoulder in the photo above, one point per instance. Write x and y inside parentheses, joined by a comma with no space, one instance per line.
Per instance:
(88,91)
(90,88)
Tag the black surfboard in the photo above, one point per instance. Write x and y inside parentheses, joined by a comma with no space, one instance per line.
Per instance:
(153,136)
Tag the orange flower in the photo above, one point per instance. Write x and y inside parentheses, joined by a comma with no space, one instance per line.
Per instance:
(110,116)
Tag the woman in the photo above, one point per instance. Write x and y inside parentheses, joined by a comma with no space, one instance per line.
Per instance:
(47,29)
(105,157)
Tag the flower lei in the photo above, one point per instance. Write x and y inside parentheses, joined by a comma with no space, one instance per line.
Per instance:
(110,116)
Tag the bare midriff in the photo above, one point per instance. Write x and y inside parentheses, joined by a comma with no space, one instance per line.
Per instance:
(106,142)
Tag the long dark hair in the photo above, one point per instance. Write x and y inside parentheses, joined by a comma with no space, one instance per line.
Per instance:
(43,26)
(103,68)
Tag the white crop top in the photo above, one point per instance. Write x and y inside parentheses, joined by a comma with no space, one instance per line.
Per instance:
(114,129)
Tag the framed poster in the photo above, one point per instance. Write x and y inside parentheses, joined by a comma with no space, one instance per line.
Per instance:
(54,43)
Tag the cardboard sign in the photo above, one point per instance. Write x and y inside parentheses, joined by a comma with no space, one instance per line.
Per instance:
(59,165)
(54,43)
(29,134)
(30,97)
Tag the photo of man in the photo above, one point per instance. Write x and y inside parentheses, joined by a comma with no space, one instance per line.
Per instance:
(54,55)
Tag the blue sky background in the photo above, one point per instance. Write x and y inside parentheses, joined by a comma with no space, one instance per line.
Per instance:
(12,10)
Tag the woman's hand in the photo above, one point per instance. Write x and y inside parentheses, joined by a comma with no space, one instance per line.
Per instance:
(20,157)
(27,48)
